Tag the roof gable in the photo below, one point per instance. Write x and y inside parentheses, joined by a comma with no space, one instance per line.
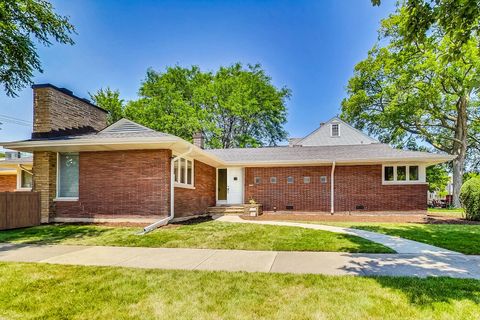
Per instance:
(348,135)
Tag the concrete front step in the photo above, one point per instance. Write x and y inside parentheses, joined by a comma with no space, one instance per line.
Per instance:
(226,210)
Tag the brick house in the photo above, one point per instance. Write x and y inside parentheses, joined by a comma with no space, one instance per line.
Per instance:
(16,172)
(87,171)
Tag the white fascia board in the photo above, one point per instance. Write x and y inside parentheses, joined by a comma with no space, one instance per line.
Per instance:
(267,163)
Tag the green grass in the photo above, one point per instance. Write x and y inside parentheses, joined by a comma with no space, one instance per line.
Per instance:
(456,237)
(42,291)
(454,212)
(211,234)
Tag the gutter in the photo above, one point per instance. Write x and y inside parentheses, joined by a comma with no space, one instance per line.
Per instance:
(166,220)
(332,189)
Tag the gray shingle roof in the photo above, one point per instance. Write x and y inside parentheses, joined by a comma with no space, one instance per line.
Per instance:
(345,153)
(121,129)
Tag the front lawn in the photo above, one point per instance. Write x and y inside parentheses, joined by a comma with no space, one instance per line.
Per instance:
(210,234)
(456,237)
(453,212)
(42,291)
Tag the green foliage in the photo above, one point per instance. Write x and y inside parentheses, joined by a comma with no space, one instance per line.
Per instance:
(236,106)
(437,178)
(22,23)
(110,101)
(469,175)
(459,20)
(406,92)
(470,198)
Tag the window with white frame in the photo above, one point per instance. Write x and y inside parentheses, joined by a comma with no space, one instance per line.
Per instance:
(335,130)
(67,175)
(401,173)
(24,179)
(183,172)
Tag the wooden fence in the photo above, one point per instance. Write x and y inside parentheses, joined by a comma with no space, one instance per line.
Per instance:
(19,209)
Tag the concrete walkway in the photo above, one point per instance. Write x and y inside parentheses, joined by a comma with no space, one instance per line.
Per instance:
(329,263)
(398,244)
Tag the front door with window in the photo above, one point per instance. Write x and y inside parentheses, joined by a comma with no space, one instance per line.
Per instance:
(230,186)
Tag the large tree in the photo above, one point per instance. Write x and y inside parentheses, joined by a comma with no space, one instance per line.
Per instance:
(459,20)
(236,106)
(110,101)
(405,91)
(23,23)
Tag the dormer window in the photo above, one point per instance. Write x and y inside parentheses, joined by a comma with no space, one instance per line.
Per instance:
(335,130)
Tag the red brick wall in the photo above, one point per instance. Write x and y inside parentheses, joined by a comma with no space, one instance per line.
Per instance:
(362,185)
(196,201)
(133,182)
(354,185)
(8,182)
(314,196)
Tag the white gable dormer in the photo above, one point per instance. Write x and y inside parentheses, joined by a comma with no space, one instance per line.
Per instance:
(333,133)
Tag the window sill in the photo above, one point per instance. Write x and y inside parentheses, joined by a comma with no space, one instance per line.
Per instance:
(66,199)
(403,182)
(184,186)
(23,189)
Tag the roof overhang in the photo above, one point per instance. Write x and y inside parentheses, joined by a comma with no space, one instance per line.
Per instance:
(8,172)
(180,146)
(177,145)
(340,162)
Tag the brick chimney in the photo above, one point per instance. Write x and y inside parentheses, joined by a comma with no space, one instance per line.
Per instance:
(57,112)
(199,140)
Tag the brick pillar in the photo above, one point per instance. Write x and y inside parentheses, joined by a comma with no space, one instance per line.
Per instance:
(45,181)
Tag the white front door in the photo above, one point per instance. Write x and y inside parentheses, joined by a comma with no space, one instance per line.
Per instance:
(235,185)
(230,186)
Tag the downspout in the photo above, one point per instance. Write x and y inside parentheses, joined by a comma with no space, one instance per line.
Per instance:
(166,220)
(332,189)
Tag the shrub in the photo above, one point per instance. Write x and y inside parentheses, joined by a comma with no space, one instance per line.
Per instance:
(470,198)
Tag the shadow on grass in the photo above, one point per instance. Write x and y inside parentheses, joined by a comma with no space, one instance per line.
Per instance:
(51,234)
(430,291)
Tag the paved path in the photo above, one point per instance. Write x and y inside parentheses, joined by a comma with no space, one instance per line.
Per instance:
(330,263)
(398,244)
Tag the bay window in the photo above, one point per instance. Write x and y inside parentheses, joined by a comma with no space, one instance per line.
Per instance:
(183,172)
(67,176)
(401,174)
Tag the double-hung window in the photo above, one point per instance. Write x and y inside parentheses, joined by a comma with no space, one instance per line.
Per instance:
(335,130)
(67,176)
(183,172)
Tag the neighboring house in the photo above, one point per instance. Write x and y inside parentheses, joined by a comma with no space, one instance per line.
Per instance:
(83,170)
(16,172)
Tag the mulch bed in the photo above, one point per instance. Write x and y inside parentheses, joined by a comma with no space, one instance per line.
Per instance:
(393,218)
(442,219)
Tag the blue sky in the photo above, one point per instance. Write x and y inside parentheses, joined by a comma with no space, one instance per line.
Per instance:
(309,46)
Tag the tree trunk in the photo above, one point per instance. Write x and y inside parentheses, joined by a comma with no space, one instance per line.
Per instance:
(459,149)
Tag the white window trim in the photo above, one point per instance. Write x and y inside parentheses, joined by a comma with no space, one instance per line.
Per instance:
(185,185)
(421,174)
(19,180)
(57,196)
(331,129)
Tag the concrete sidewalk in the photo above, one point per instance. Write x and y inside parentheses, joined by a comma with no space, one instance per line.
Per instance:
(398,244)
(329,263)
